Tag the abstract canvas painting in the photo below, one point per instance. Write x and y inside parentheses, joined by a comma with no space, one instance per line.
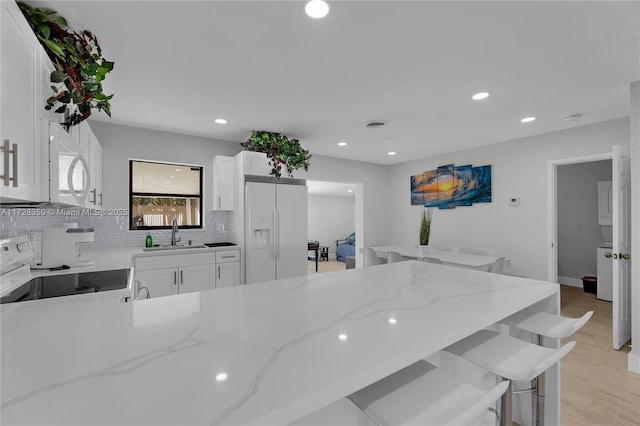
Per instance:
(450,186)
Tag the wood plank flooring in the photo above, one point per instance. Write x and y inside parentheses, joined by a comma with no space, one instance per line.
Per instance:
(325,266)
(596,387)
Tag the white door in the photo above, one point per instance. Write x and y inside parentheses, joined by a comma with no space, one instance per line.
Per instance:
(196,278)
(291,231)
(161,282)
(260,232)
(621,246)
(227,274)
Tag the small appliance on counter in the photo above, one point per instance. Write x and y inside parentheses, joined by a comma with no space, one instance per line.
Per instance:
(60,246)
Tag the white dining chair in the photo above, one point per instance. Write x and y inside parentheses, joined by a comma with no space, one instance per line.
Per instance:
(394,257)
(497,266)
(451,248)
(432,260)
(370,257)
(420,394)
(485,252)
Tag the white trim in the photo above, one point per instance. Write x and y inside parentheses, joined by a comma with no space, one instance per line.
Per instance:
(552,215)
(633,363)
(570,281)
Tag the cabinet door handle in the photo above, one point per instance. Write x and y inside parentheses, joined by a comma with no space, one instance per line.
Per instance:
(218,272)
(219,202)
(7,152)
(608,255)
(181,277)
(100,195)
(228,257)
(175,277)
(95,196)
(15,164)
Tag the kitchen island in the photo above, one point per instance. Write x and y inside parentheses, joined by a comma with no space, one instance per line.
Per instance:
(265,353)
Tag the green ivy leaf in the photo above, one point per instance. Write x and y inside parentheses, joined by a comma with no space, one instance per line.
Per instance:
(58,20)
(57,77)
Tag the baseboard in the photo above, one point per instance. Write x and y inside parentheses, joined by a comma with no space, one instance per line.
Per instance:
(633,363)
(573,282)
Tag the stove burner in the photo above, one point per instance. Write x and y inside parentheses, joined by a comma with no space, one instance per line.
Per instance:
(68,284)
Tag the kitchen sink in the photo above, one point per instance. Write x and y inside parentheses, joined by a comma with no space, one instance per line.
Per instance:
(177,247)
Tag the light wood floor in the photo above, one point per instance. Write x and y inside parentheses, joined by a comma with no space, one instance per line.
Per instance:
(325,266)
(596,387)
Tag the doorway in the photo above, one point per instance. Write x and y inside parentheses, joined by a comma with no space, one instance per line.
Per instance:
(334,214)
(621,282)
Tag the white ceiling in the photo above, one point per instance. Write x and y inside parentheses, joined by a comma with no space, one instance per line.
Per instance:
(265,65)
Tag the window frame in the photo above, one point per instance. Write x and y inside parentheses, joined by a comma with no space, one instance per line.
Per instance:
(154,194)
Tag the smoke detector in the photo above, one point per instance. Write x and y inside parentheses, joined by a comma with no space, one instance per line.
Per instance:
(376,124)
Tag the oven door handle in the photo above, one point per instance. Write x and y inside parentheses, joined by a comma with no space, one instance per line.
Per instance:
(79,197)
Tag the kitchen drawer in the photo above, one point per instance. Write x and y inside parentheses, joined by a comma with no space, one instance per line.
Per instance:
(224,256)
(161,261)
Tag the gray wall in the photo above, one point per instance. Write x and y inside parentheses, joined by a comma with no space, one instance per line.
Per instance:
(578,204)
(331,218)
(120,143)
(519,169)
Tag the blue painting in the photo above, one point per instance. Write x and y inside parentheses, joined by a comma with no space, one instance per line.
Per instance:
(449,186)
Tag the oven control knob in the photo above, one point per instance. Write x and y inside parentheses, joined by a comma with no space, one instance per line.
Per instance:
(25,246)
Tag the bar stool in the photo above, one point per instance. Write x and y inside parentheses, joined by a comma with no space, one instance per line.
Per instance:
(509,358)
(394,257)
(544,324)
(418,394)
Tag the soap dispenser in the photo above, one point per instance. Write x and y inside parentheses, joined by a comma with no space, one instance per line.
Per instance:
(149,242)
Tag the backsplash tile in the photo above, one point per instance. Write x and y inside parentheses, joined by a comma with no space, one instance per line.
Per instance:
(112,231)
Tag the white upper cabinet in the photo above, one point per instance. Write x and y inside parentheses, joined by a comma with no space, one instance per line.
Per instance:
(21,107)
(257,164)
(222,183)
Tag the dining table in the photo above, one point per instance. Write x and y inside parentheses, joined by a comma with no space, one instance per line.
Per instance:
(451,258)
(264,354)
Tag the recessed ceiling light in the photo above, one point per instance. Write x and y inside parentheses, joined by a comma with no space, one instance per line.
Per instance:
(392,320)
(342,144)
(349,190)
(220,121)
(527,119)
(391,153)
(480,96)
(342,336)
(573,117)
(316,8)
(221,377)
(178,170)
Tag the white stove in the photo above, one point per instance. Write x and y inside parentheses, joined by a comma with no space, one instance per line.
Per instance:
(18,283)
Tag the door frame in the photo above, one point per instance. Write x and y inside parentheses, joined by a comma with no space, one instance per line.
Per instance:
(552,206)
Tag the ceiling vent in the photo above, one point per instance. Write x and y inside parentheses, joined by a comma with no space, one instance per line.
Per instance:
(376,124)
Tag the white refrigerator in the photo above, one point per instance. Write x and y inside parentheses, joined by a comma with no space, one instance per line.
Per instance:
(275,231)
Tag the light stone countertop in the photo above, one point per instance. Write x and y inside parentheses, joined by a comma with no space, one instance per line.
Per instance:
(160,361)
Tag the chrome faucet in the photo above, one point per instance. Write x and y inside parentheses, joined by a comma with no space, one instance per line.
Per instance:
(174,231)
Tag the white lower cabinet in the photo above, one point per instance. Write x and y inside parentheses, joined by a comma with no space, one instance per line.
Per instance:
(227,268)
(168,274)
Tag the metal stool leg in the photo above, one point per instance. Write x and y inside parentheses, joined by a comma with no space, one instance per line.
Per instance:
(539,398)
(506,409)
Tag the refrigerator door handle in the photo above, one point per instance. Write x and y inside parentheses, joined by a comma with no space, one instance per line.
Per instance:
(274,252)
(278,233)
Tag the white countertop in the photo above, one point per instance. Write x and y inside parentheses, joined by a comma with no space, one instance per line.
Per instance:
(156,361)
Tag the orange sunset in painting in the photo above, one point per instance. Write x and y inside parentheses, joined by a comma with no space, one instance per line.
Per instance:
(449,186)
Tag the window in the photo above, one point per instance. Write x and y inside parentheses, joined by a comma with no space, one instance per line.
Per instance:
(158,192)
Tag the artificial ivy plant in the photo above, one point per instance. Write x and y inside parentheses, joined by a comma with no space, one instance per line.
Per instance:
(79,66)
(281,151)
